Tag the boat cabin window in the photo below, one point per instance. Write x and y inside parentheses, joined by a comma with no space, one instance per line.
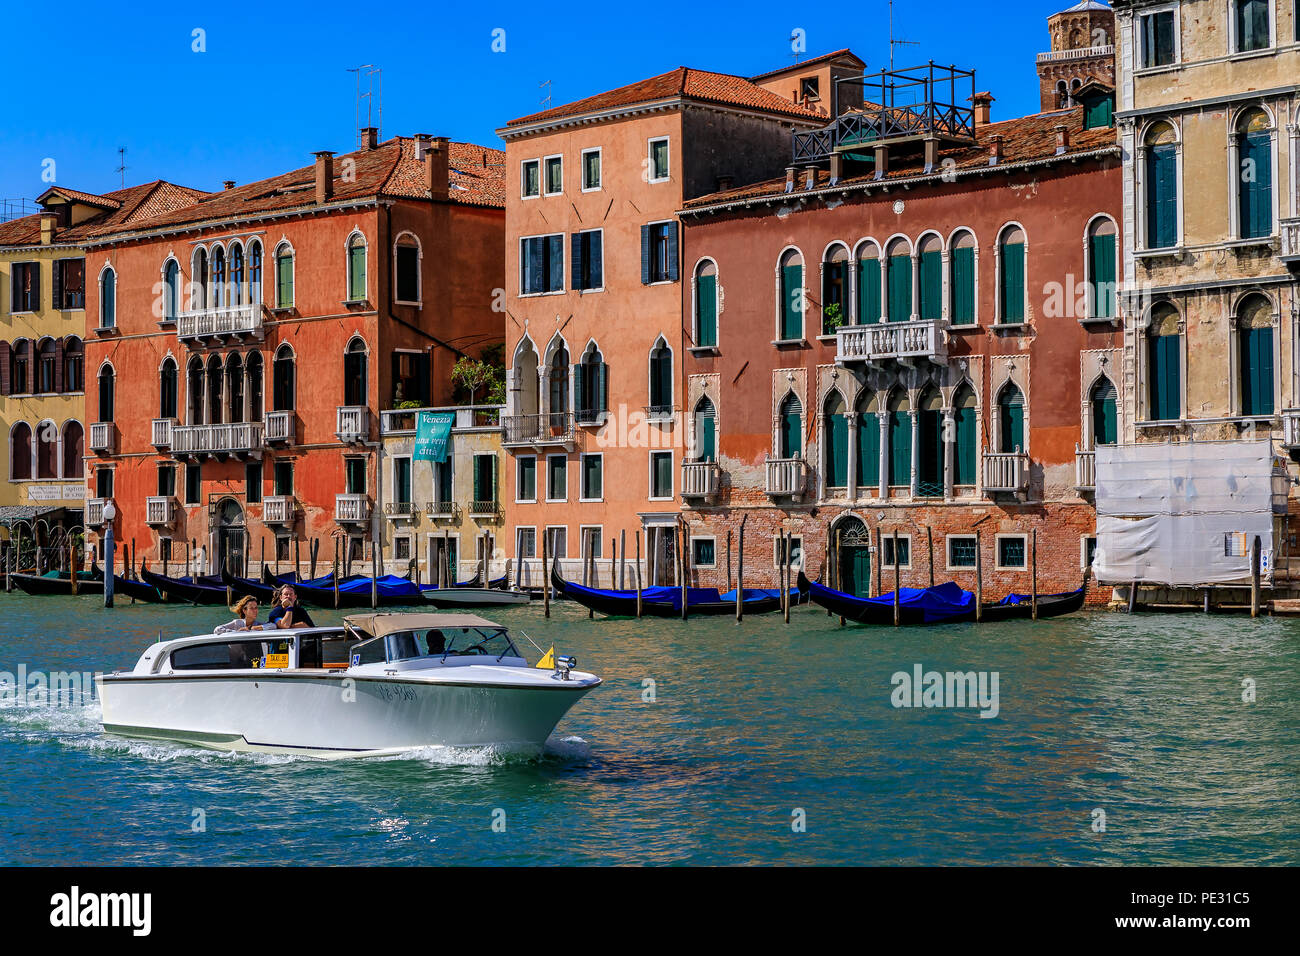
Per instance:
(436,642)
(225,655)
(328,651)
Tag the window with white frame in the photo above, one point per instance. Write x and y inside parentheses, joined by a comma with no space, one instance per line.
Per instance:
(402,548)
(530,178)
(541,264)
(704,552)
(525,542)
(593,477)
(904,558)
(661,475)
(526,478)
(961,551)
(1012,552)
(782,557)
(590,536)
(591,169)
(553,171)
(557,541)
(557,477)
(1157,32)
(657,161)
(407,266)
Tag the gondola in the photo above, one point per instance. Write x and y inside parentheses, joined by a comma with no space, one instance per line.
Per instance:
(178,591)
(56,582)
(942,604)
(136,589)
(663,601)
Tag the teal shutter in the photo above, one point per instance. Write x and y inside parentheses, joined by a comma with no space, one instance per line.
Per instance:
(1013,283)
(931,285)
(478,483)
(900,448)
(868,291)
(706,311)
(1102,266)
(1256,192)
(963,458)
(900,288)
(1256,360)
(868,450)
(1105,418)
(1162,197)
(791,427)
(837,451)
(1166,376)
(791,302)
(708,438)
(357,272)
(602,387)
(963,287)
(1011,412)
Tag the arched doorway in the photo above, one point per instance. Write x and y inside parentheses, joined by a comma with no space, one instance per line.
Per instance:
(854,576)
(229,532)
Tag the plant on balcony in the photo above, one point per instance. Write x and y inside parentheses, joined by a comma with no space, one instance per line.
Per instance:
(832,318)
(486,374)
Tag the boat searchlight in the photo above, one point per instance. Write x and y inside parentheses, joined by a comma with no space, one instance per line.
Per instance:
(565,664)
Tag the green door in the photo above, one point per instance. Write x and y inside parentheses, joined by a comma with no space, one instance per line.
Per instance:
(857,571)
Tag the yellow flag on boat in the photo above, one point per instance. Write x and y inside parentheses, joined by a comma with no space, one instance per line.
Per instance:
(548,660)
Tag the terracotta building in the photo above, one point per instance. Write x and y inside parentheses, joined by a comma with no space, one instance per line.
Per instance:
(594,296)
(1082,53)
(913,331)
(240,349)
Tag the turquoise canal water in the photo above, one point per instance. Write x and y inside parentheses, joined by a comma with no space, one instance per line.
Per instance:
(1140,717)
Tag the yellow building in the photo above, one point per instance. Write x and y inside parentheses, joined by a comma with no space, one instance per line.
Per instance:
(43,288)
(453,508)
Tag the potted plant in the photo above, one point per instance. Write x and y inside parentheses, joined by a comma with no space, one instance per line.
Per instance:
(832,318)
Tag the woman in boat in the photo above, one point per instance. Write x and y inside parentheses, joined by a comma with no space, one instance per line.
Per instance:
(287,611)
(245,616)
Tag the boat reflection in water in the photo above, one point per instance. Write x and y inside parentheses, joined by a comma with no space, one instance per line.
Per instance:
(381,683)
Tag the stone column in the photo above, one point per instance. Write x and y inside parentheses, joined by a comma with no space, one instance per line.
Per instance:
(884,453)
(949,451)
(852,419)
(915,415)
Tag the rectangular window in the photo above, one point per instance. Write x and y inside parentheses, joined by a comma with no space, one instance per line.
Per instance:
(282,548)
(658,160)
(193,484)
(1252,25)
(166,481)
(590,169)
(593,487)
(586,252)
(554,175)
(526,546)
(961,551)
(557,475)
(1162,196)
(659,252)
(442,475)
(283,477)
(868,291)
(704,552)
(402,481)
(355,475)
(541,264)
(485,484)
(1157,39)
(357,271)
(530,178)
(590,536)
(1011,552)
(284,279)
(164,549)
(557,542)
(402,548)
(887,551)
(1089,551)
(1164,369)
(70,284)
(253,482)
(932,284)
(408,273)
(26,287)
(526,479)
(661,474)
(104,483)
(779,556)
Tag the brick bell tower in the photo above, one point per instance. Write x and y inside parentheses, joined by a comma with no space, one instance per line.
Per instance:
(1083,49)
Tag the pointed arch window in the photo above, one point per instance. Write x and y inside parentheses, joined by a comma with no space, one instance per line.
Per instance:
(706,430)
(255,272)
(218,299)
(283,389)
(930,438)
(868,427)
(234,388)
(706,304)
(253,378)
(107,393)
(194,390)
(237,290)
(1255,355)
(558,385)
(1011,419)
(661,380)
(167,389)
(171,290)
(283,276)
(108,299)
(964,422)
(869,293)
(591,385)
(836,437)
(357,268)
(1105,412)
(356,383)
(790,427)
(900,440)
(215,375)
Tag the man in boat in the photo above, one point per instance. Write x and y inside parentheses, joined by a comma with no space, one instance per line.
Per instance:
(288,612)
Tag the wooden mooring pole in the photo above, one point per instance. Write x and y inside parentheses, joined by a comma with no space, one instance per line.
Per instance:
(1033,574)
(979,579)
(740,570)
(897,573)
(1254,577)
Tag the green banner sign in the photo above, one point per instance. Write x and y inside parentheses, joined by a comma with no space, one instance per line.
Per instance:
(432,432)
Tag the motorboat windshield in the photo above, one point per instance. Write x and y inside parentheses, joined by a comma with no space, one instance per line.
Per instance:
(440,642)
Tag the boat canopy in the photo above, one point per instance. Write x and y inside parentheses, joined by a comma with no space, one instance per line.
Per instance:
(380,624)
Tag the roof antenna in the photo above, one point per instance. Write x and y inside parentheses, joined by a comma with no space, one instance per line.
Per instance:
(121,169)
(373,100)
(892,41)
(546,85)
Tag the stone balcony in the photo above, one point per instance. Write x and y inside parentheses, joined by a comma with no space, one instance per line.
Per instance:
(701,480)
(552,428)
(1085,469)
(279,509)
(280,427)
(904,342)
(162,432)
(351,509)
(1289,230)
(160,510)
(238,439)
(352,424)
(787,477)
(103,438)
(214,326)
(1006,472)
(95,511)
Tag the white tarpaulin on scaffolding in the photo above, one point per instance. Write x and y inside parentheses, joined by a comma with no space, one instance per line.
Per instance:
(1185,514)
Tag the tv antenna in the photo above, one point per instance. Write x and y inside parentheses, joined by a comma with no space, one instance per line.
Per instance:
(546,85)
(121,164)
(370,101)
(892,42)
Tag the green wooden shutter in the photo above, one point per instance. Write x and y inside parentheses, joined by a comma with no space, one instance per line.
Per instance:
(1105,418)
(582,388)
(575,262)
(963,286)
(868,291)
(1162,197)
(791,302)
(791,427)
(1011,411)
(478,482)
(963,458)
(707,449)
(1013,283)
(1102,266)
(1256,360)
(1256,193)
(931,285)
(706,311)
(1166,375)
(645,255)
(357,272)
(602,387)
(900,448)
(837,451)
(900,288)
(284,281)
(868,450)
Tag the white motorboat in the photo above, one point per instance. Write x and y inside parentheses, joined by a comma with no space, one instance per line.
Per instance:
(381,683)
(473,597)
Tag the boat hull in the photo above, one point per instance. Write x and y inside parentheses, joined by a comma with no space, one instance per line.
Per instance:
(623,603)
(41,585)
(334,715)
(474,597)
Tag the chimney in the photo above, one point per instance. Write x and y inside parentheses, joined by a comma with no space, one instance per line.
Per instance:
(324,175)
(837,167)
(882,162)
(49,222)
(995,149)
(1062,138)
(436,178)
(810,177)
(369,137)
(724,183)
(228,183)
(789,178)
(983,103)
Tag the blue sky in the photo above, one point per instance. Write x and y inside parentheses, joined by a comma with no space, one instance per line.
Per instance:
(272,86)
